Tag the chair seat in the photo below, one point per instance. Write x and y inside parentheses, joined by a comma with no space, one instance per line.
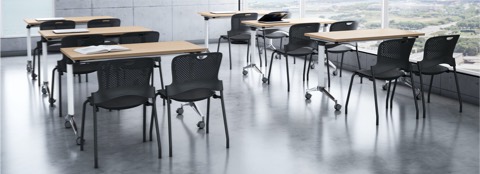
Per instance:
(437,69)
(240,37)
(339,49)
(275,34)
(123,102)
(190,96)
(386,75)
(298,52)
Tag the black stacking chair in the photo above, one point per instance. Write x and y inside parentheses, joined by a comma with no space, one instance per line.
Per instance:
(144,37)
(78,68)
(438,50)
(271,33)
(107,22)
(195,78)
(52,45)
(392,60)
(122,84)
(238,33)
(298,45)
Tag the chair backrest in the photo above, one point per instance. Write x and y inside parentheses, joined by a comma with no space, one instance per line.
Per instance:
(439,50)
(79,41)
(236,23)
(57,24)
(297,38)
(108,22)
(344,25)
(139,37)
(394,54)
(124,74)
(194,71)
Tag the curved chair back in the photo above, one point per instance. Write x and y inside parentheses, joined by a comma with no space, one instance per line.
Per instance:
(139,37)
(394,54)
(297,38)
(109,22)
(57,24)
(439,50)
(344,25)
(125,75)
(236,23)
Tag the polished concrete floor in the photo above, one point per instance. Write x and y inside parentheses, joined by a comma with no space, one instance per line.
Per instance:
(271,130)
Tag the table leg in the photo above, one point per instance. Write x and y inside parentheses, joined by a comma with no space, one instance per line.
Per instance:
(207,32)
(44,68)
(70,119)
(252,56)
(29,49)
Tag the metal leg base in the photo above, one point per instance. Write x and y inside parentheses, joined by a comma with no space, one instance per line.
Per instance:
(324,91)
(70,123)
(200,124)
(255,67)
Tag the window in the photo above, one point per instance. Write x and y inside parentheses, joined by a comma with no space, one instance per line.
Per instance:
(293,6)
(441,17)
(14,11)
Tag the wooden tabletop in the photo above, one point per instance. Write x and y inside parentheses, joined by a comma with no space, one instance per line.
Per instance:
(290,22)
(106,31)
(219,15)
(363,35)
(82,19)
(138,50)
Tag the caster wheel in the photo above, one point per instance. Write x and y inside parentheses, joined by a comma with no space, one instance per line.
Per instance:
(335,73)
(418,96)
(264,80)
(312,66)
(67,125)
(29,66)
(308,96)
(51,101)
(338,107)
(80,141)
(385,86)
(201,124)
(277,56)
(180,111)
(44,90)
(34,76)
(245,72)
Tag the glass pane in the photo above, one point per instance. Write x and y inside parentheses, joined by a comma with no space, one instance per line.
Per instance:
(14,11)
(436,18)
(293,6)
(366,12)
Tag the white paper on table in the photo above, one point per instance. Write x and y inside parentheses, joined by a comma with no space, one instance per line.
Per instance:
(100,49)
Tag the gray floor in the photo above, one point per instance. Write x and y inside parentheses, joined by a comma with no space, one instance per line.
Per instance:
(271,131)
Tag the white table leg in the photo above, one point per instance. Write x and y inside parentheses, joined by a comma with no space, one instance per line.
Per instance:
(206,32)
(29,48)
(321,66)
(253,45)
(70,97)
(44,68)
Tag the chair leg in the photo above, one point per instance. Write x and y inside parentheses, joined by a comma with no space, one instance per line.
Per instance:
(258,48)
(33,75)
(86,77)
(358,57)
(393,93)
(430,87)
(230,53)
(79,78)
(421,90)
(144,122)
(458,88)
(270,68)
(218,44)
(161,75)
(169,127)
(155,116)
(288,77)
(265,47)
(309,65)
(375,96)
(51,100)
(60,99)
(341,64)
(83,124)
(95,148)
(388,93)
(349,91)
(328,68)
(225,120)
(304,65)
(414,95)
(151,129)
(39,72)
(208,114)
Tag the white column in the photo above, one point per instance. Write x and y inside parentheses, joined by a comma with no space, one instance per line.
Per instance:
(384,13)
(70,96)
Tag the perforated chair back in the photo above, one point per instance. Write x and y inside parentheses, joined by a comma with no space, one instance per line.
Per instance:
(195,71)
(439,50)
(57,24)
(343,26)
(98,23)
(139,37)
(236,23)
(125,74)
(297,38)
(394,54)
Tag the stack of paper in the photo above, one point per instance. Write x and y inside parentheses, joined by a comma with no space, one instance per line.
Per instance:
(77,30)
(100,49)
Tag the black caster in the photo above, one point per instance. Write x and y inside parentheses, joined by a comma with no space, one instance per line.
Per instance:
(338,107)
(80,141)
(180,111)
(34,76)
(201,124)
(264,80)
(29,66)
(418,96)
(44,89)
(67,124)
(245,72)
(312,66)
(385,86)
(335,73)
(51,101)
(308,96)
(277,56)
